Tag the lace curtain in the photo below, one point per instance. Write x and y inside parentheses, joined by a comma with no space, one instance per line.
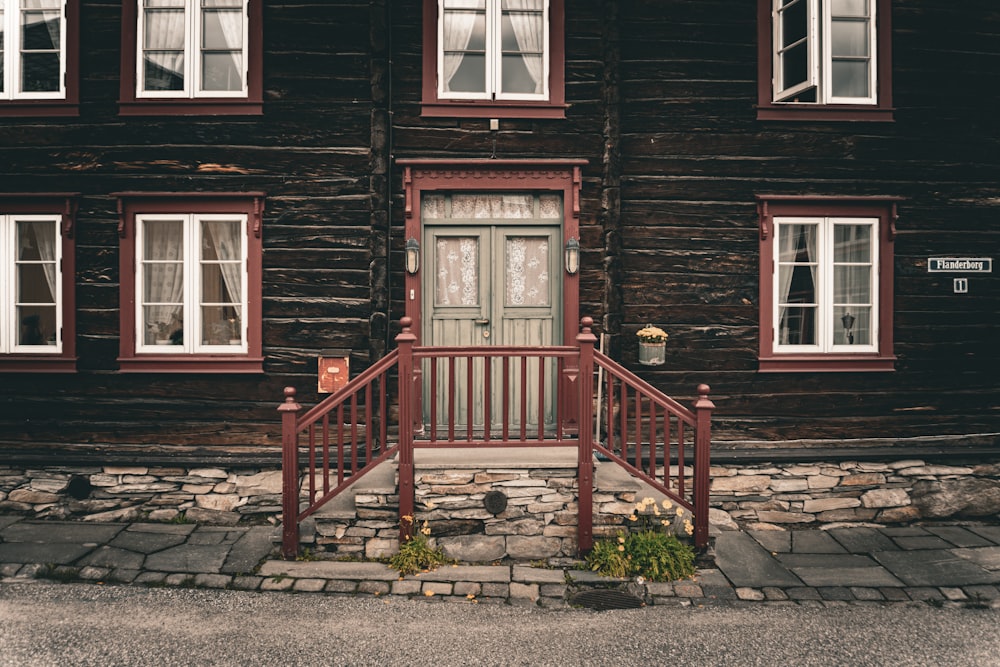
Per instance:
(163,271)
(527,271)
(458,271)
(224,240)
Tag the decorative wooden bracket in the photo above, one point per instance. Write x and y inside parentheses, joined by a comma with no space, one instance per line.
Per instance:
(69,216)
(765,220)
(577,182)
(121,218)
(893,217)
(258,215)
(408,189)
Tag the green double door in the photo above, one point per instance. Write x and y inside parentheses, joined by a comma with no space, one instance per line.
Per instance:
(493,282)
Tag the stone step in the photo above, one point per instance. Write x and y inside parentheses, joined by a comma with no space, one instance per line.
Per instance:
(380,480)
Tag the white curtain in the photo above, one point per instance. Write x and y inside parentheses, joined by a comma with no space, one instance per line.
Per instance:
(45,237)
(527,271)
(165,277)
(457,271)
(797,243)
(458,27)
(852,281)
(492,206)
(225,239)
(164,32)
(528,30)
(231,24)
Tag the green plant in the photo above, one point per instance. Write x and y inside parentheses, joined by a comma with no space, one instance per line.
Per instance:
(649,551)
(416,553)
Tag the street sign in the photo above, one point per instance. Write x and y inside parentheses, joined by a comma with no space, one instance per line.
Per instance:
(960,264)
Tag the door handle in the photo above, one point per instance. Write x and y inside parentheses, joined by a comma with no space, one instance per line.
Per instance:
(483,322)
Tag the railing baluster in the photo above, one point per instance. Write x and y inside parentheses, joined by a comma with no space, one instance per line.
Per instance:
(340,444)
(541,399)
(312,463)
(652,440)
(623,419)
(451,399)
(368,424)
(488,388)
(433,363)
(680,458)
(470,408)
(558,363)
(326,453)
(506,397)
(666,449)
(383,411)
(354,433)
(523,381)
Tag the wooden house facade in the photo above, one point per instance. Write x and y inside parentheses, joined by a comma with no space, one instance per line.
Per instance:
(200,200)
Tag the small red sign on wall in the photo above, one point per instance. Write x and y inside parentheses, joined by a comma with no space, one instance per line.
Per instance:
(334,370)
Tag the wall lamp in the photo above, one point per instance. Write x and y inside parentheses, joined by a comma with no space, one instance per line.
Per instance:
(412,249)
(572,256)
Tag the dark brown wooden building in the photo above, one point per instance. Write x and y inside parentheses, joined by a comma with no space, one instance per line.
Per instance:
(198,202)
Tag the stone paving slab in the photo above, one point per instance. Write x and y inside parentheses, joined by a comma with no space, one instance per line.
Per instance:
(775,541)
(249,550)
(959,536)
(107,556)
(862,540)
(8,520)
(840,561)
(866,577)
(815,542)
(57,553)
(61,531)
(991,533)
(747,564)
(987,558)
(165,528)
(327,569)
(934,568)
(922,542)
(193,558)
(146,542)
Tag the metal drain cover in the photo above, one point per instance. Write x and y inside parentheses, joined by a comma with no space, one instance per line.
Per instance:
(603,600)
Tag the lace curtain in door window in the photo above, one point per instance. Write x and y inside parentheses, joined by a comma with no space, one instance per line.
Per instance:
(527,271)
(492,206)
(457,280)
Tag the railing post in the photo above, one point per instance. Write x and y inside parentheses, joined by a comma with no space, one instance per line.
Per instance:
(404,342)
(289,475)
(585,458)
(702,461)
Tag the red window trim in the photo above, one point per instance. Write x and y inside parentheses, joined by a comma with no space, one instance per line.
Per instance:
(69,106)
(883,208)
(251,105)
(882,111)
(64,204)
(132,203)
(562,175)
(554,107)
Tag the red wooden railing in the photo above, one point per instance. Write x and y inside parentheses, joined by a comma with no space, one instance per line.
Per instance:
(648,432)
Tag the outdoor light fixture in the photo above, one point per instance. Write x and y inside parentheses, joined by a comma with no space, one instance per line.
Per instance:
(412,248)
(848,321)
(572,256)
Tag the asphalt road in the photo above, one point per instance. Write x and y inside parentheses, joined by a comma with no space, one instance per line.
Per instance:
(83,624)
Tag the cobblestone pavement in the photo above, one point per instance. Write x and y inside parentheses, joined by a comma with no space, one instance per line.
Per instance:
(946,565)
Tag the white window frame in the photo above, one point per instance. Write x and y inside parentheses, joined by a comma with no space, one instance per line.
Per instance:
(192,56)
(8,295)
(494,58)
(192,259)
(820,55)
(824,285)
(10,23)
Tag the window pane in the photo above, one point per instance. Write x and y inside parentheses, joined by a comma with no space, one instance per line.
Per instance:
(222,3)
(33,285)
(432,207)
(220,325)
(222,30)
(220,283)
(36,241)
(794,23)
(464,47)
(38,325)
(470,73)
(163,71)
(527,270)
(164,325)
(221,240)
(797,326)
(797,243)
(852,284)
(492,206)
(40,72)
(849,7)
(852,243)
(795,65)
(2,47)
(798,283)
(164,30)
(39,31)
(517,74)
(860,320)
(162,240)
(850,38)
(850,78)
(222,71)
(457,280)
(164,3)
(550,206)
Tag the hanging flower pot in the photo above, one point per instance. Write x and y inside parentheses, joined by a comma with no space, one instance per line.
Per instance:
(652,345)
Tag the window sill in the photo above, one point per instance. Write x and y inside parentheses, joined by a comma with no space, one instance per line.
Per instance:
(825,112)
(491,109)
(39,109)
(188,107)
(177,363)
(828,363)
(37,364)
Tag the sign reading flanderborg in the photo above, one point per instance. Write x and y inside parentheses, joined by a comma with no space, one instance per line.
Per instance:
(960,264)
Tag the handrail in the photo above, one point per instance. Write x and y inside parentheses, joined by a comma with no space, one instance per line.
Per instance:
(646,429)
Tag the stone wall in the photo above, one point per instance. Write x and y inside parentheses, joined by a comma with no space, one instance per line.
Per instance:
(127,493)
(851,492)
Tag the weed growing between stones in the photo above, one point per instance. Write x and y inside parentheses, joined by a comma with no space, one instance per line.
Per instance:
(650,550)
(416,554)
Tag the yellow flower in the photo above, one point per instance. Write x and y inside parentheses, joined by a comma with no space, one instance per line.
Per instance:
(470,596)
(680,511)
(664,522)
(640,507)
(426,530)
(621,540)
(408,518)
(621,547)
(429,593)
(633,518)
(656,510)
(667,504)
(688,528)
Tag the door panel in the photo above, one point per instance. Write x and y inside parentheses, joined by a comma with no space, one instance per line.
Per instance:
(491,284)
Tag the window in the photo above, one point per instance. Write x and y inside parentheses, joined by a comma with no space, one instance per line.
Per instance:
(37,319)
(191,282)
(38,57)
(824,58)
(191,56)
(493,58)
(826,284)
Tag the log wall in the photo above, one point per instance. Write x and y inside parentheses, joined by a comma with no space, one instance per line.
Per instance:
(661,106)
